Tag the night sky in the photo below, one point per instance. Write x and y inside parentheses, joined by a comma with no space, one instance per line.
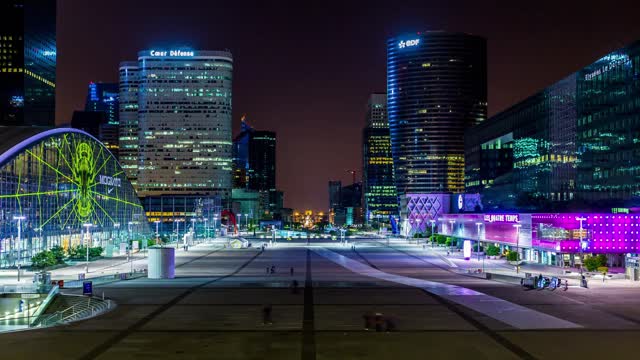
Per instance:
(306,71)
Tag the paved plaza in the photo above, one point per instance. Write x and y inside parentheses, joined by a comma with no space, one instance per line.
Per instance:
(214,310)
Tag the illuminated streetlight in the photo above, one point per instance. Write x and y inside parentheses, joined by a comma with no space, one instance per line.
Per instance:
(88,236)
(452,232)
(478,224)
(433,225)
(581,219)
(19,219)
(517,226)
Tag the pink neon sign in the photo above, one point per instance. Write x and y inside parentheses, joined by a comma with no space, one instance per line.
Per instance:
(509,218)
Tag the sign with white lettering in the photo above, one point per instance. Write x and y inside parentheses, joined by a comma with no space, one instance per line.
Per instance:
(109,180)
(408,43)
(174,53)
(508,218)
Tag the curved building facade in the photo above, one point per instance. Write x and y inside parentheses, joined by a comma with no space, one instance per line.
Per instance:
(436,88)
(57,181)
(184,121)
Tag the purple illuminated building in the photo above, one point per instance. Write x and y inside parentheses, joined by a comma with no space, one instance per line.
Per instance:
(550,238)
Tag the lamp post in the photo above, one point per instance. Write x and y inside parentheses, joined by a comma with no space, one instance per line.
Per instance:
(157,222)
(206,230)
(478,224)
(117,226)
(88,235)
(433,225)
(581,219)
(517,226)
(452,222)
(246,222)
(215,220)
(69,228)
(239,224)
(193,229)
(19,218)
(418,221)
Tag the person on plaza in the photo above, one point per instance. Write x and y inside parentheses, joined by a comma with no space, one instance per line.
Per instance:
(273,269)
(294,286)
(291,271)
(268,270)
(266,315)
(566,284)
(368,320)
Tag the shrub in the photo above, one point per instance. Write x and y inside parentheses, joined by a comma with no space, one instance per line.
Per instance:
(441,239)
(43,260)
(591,263)
(80,252)
(513,256)
(603,269)
(602,260)
(58,254)
(95,251)
(493,250)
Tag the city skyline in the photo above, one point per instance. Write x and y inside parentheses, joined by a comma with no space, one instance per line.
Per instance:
(326,93)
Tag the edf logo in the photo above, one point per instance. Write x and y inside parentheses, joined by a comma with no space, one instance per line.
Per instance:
(403,44)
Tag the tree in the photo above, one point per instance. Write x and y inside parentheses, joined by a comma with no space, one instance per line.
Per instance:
(43,260)
(58,254)
(591,263)
(602,260)
(513,256)
(493,250)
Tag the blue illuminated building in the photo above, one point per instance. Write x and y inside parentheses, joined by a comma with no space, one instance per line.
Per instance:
(28,62)
(572,146)
(436,89)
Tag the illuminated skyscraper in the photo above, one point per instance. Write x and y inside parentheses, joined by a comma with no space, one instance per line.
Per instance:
(380,199)
(27,62)
(128,128)
(436,88)
(184,121)
(102,98)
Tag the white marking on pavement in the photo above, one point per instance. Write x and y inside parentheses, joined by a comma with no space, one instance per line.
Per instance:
(509,313)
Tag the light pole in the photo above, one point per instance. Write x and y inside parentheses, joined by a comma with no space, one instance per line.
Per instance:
(433,225)
(246,222)
(517,226)
(19,218)
(206,230)
(418,221)
(157,222)
(117,226)
(581,219)
(452,222)
(478,224)
(69,228)
(215,220)
(193,229)
(239,224)
(88,235)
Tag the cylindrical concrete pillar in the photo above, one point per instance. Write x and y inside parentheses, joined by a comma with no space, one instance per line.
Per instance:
(162,263)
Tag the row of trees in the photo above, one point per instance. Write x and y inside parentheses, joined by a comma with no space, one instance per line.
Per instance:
(57,255)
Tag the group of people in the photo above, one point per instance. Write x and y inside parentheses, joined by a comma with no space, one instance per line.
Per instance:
(378,321)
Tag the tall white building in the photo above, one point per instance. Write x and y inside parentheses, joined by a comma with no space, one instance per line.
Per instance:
(128,124)
(183,122)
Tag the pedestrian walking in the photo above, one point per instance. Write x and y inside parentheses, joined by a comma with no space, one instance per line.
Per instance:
(291,271)
(266,315)
(566,284)
(267,270)
(273,269)
(368,320)
(379,319)
(294,286)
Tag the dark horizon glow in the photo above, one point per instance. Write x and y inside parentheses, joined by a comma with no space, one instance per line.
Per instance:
(306,72)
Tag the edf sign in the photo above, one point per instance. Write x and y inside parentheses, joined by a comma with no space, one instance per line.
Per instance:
(408,43)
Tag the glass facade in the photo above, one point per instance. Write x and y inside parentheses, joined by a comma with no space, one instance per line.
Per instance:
(128,129)
(572,145)
(59,180)
(436,88)
(27,62)
(380,199)
(184,120)
(103,97)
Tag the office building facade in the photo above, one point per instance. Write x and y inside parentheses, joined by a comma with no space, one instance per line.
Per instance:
(183,120)
(27,62)
(379,190)
(571,146)
(103,98)
(436,89)
(128,147)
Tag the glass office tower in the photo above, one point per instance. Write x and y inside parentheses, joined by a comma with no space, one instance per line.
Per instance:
(436,89)
(572,146)
(128,128)
(380,199)
(27,62)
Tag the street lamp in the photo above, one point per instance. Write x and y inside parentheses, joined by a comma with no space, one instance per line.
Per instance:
(19,218)
(88,226)
(246,222)
(117,226)
(418,221)
(452,222)
(478,224)
(239,223)
(206,230)
(157,222)
(215,219)
(69,228)
(581,219)
(433,225)
(517,226)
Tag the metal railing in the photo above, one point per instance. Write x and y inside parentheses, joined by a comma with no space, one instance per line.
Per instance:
(76,312)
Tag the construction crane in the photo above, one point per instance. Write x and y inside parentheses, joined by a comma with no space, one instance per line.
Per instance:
(353,175)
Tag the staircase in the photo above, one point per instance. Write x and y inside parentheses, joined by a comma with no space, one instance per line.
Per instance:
(67,308)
